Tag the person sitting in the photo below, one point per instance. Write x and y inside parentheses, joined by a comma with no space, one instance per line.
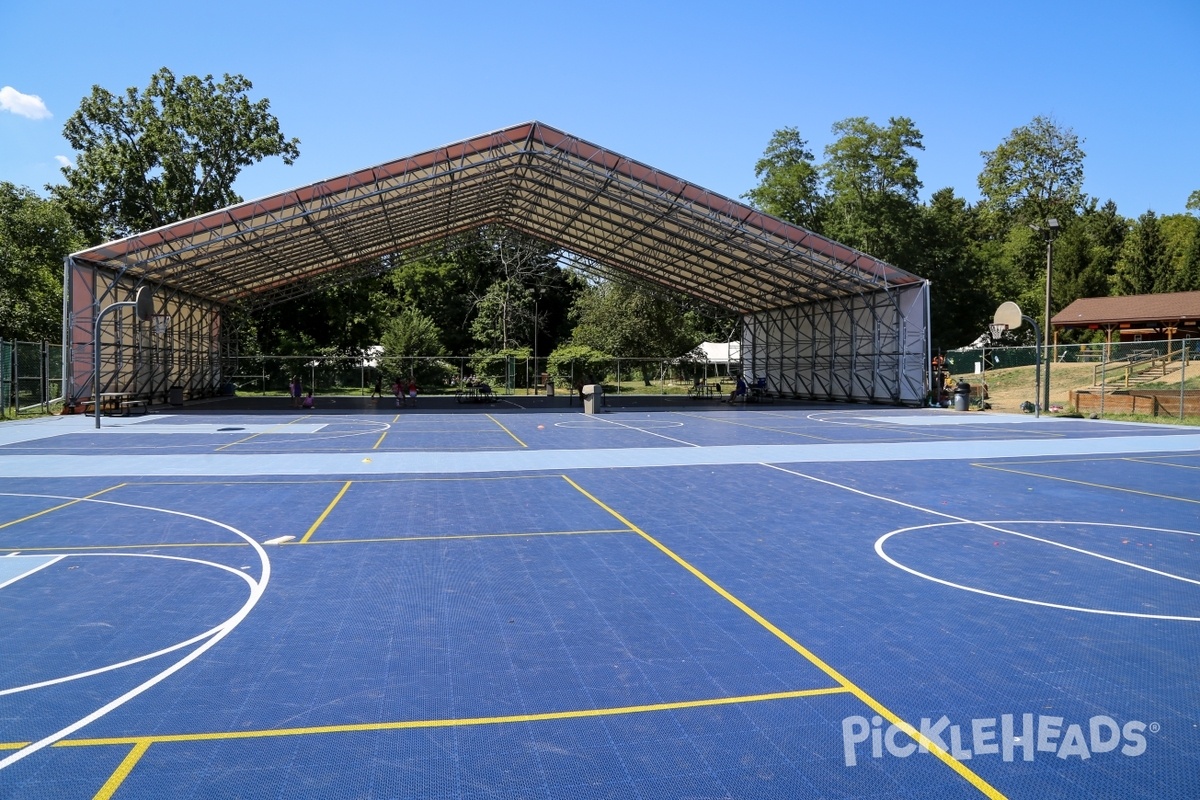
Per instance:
(308,401)
(739,391)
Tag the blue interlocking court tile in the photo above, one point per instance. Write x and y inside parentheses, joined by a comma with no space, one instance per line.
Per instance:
(661,602)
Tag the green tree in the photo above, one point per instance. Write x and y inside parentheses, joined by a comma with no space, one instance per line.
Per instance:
(789,181)
(871,175)
(1107,230)
(521,265)
(444,283)
(1143,267)
(1035,174)
(412,334)
(35,235)
(1179,234)
(634,322)
(334,320)
(148,158)
(959,304)
(1079,270)
(1189,280)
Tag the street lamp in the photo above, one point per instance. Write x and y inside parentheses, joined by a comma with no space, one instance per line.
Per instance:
(1051,230)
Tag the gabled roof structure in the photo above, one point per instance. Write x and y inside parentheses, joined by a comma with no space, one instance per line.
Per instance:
(820,320)
(1174,311)
(599,206)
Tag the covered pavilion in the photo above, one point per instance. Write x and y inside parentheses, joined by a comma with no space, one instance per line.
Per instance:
(820,320)
(1144,317)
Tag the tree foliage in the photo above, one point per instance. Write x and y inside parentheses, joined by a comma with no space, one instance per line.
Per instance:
(148,158)
(1141,268)
(790,185)
(871,173)
(35,235)
(1034,174)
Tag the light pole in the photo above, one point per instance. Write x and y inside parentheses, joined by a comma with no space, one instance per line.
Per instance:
(1051,230)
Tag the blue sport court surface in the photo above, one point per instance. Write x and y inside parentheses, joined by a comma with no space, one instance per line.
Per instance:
(518,601)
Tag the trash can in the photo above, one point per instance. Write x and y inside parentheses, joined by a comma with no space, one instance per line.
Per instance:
(549,387)
(593,395)
(175,396)
(962,396)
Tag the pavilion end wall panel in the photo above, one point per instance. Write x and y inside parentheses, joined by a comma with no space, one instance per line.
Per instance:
(871,347)
(178,347)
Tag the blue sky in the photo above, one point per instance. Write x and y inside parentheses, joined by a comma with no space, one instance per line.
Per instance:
(693,88)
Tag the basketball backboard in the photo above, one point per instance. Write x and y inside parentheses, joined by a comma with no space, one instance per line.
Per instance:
(1008,314)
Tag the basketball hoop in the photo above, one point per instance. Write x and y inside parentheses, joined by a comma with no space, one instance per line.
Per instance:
(997,329)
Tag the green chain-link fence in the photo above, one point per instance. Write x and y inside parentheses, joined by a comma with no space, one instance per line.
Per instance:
(30,376)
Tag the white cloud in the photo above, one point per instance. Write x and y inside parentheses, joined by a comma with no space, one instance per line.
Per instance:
(63,161)
(23,105)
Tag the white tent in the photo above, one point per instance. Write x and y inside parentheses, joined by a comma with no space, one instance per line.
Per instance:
(728,354)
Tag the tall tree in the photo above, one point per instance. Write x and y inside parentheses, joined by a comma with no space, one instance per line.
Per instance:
(148,158)
(1035,174)
(1179,233)
(521,264)
(871,174)
(789,181)
(35,235)
(1107,230)
(1189,280)
(1079,269)
(959,304)
(635,322)
(1143,267)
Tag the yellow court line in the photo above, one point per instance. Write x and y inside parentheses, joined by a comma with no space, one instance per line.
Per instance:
(506,430)
(382,436)
(461,536)
(17,548)
(122,771)
(60,506)
(971,777)
(325,513)
(260,433)
(1088,483)
(367,727)
(395,419)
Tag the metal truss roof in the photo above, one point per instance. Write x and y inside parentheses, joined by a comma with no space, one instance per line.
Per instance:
(600,207)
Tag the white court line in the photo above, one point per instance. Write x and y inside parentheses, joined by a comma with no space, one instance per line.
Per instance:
(223,630)
(213,428)
(1083,609)
(957,520)
(652,433)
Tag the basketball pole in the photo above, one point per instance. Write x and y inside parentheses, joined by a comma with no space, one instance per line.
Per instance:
(144,303)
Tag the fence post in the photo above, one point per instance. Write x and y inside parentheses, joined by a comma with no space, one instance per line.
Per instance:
(45,370)
(1182,375)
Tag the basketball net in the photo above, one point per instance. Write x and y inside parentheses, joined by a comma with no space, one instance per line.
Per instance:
(997,329)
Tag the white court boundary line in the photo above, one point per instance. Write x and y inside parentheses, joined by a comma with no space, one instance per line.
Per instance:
(955,519)
(223,630)
(652,433)
(992,525)
(136,659)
